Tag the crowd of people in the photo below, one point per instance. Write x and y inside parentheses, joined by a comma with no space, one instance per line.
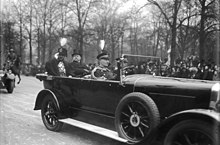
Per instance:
(186,69)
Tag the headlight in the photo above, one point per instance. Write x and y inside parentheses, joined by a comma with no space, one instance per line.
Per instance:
(215,97)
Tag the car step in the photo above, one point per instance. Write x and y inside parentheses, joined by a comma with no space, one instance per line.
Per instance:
(96,129)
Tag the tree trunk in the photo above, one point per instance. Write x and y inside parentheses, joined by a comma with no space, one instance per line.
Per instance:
(30,34)
(44,41)
(38,46)
(81,46)
(173,30)
(21,32)
(202,32)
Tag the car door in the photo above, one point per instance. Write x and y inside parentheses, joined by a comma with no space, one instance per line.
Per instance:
(100,95)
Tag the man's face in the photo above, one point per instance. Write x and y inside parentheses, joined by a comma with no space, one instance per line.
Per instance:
(104,61)
(61,57)
(77,58)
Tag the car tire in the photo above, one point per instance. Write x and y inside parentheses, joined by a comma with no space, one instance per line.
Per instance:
(49,114)
(136,117)
(10,86)
(190,132)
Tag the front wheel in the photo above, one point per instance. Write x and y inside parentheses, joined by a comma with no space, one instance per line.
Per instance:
(192,132)
(136,117)
(49,114)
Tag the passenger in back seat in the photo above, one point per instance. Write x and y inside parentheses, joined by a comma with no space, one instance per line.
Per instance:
(77,68)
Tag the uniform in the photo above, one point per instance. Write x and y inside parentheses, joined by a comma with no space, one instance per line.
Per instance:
(58,66)
(102,73)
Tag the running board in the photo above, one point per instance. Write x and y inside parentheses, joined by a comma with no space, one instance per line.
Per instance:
(96,129)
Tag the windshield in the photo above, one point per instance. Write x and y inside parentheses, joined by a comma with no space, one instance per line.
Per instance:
(139,64)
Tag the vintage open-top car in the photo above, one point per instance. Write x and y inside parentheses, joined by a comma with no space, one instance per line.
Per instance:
(136,108)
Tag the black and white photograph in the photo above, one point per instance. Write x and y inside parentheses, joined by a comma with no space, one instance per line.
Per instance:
(109,72)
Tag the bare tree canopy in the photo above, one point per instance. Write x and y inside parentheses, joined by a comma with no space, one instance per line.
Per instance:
(150,27)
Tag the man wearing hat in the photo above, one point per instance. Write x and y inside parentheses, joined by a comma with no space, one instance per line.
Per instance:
(101,71)
(58,66)
(13,60)
(11,56)
(76,67)
(13,63)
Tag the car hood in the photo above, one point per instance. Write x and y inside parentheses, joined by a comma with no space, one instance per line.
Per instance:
(140,80)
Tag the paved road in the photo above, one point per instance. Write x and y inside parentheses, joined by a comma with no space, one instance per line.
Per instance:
(21,125)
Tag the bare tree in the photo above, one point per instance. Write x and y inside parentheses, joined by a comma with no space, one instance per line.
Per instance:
(81,10)
(110,26)
(207,12)
(172,23)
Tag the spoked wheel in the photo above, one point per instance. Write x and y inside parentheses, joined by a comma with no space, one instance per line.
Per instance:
(49,114)
(192,132)
(136,117)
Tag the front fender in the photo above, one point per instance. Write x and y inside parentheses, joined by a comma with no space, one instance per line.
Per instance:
(206,115)
(41,96)
(203,112)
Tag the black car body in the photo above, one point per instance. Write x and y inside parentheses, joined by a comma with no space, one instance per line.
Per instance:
(138,108)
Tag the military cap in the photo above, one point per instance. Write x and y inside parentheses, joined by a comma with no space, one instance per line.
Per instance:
(62,51)
(103,54)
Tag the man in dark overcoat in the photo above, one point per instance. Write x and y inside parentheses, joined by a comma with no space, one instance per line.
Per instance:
(77,68)
(57,66)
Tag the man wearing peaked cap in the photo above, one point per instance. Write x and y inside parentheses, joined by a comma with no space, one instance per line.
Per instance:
(103,54)
(101,71)
(57,66)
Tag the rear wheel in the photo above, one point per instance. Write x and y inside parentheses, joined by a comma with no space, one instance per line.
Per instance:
(136,117)
(49,114)
(192,132)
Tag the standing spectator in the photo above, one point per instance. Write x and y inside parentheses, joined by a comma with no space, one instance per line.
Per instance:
(208,73)
(216,73)
(199,73)
(184,72)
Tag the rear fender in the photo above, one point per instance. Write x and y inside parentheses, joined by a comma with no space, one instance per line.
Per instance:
(41,96)
(205,115)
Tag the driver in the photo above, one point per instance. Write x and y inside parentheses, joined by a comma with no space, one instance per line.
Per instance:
(102,71)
